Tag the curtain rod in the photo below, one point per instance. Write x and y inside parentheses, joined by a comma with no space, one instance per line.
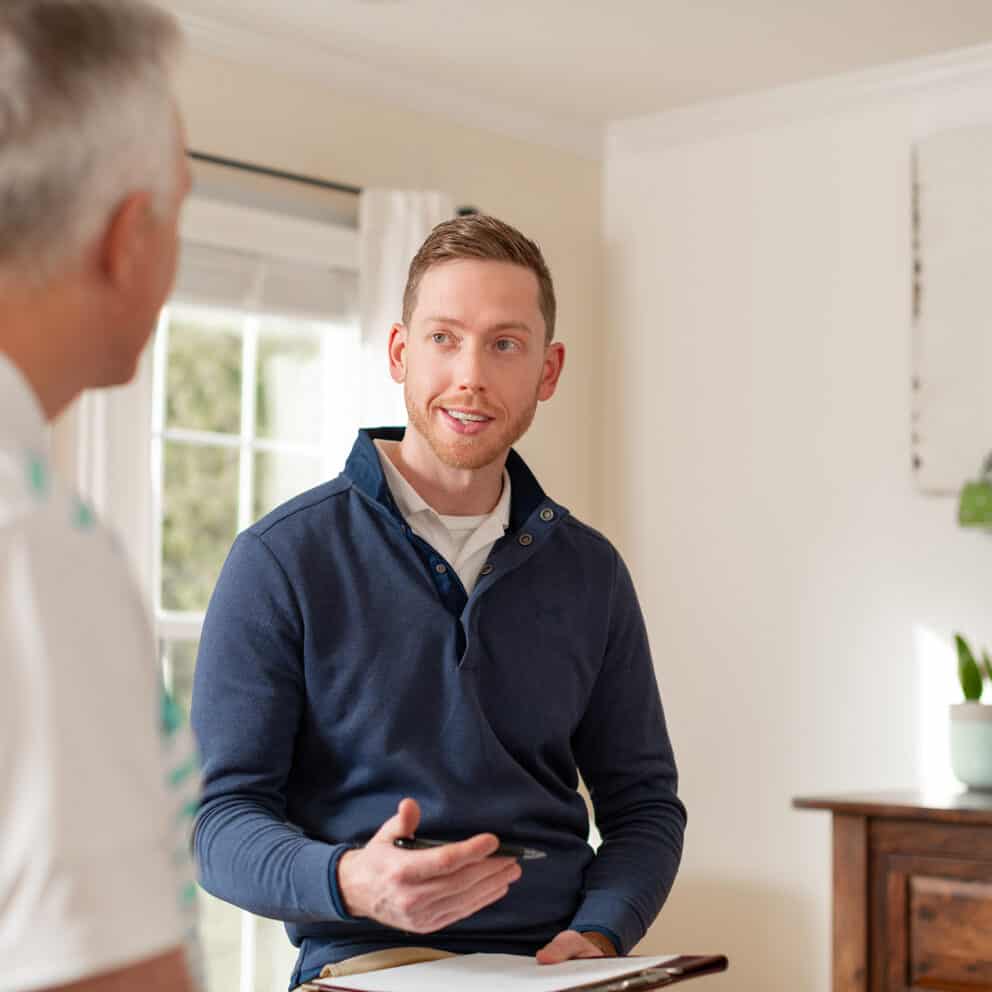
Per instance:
(263,170)
(295,177)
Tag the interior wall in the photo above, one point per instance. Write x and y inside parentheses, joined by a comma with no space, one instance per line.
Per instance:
(800,592)
(301,125)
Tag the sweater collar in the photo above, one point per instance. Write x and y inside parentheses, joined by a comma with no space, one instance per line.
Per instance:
(365,471)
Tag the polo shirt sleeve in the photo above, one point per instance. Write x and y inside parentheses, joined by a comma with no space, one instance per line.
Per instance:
(87,882)
(625,756)
(248,698)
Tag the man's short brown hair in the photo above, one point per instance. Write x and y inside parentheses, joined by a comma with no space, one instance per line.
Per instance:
(481,237)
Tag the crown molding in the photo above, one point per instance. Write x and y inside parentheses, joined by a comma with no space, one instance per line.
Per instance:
(899,81)
(302,58)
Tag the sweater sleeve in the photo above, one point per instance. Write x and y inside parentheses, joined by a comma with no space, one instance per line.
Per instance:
(248,698)
(625,756)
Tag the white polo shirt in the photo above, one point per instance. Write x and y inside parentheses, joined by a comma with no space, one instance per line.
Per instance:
(464,542)
(98,782)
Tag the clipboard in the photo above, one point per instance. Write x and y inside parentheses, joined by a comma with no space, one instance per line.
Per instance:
(637,979)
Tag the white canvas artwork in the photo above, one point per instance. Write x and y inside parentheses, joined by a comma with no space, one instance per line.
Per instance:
(952,333)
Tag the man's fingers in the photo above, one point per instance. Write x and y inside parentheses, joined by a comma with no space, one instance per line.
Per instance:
(407,817)
(403,823)
(451,858)
(449,909)
(490,873)
(568,945)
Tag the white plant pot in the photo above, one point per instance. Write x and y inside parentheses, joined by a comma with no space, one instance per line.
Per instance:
(971,744)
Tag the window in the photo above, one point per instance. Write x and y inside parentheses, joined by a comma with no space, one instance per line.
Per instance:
(254,401)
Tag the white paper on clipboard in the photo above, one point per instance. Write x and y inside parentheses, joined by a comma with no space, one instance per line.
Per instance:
(493,973)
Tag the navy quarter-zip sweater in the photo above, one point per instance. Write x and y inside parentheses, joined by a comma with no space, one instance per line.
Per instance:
(342,667)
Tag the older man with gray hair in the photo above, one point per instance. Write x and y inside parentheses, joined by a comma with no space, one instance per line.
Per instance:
(96,886)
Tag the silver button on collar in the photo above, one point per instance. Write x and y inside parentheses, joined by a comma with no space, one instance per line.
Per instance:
(547,515)
(525,540)
(440,568)
(487,569)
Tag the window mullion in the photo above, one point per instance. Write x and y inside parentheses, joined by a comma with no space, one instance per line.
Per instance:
(175,626)
(159,381)
(202,438)
(249,378)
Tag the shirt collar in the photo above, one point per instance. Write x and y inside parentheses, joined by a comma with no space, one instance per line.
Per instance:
(409,502)
(22,420)
(365,471)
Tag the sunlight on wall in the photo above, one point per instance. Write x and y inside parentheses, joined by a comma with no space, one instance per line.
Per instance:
(935,659)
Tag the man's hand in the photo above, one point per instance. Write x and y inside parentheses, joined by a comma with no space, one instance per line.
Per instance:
(422,891)
(571,944)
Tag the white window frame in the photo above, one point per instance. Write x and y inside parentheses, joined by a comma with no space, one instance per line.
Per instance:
(254,231)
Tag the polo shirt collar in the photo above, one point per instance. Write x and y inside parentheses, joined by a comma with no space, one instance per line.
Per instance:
(365,471)
(22,420)
(409,502)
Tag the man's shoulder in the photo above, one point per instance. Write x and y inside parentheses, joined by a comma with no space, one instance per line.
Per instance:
(300,514)
(37,508)
(21,486)
(587,539)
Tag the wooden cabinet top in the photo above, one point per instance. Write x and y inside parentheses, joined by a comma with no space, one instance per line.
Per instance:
(946,807)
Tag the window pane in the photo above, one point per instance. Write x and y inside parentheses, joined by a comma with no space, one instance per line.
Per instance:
(280,476)
(203,381)
(199,523)
(288,397)
(275,956)
(178,662)
(220,934)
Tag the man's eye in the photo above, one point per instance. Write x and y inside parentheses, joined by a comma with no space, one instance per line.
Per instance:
(439,337)
(506,344)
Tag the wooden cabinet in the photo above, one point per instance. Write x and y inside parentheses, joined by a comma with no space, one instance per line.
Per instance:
(912,900)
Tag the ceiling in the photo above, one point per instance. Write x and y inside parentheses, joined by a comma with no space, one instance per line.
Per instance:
(583,63)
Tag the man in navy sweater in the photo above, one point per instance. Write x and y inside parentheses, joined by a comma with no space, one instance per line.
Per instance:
(429,644)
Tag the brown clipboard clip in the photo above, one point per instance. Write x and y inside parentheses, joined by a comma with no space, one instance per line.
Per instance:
(677,970)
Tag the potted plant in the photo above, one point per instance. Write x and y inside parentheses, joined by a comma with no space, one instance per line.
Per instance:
(971,721)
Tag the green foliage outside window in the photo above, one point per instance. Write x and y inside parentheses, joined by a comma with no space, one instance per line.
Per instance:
(200,511)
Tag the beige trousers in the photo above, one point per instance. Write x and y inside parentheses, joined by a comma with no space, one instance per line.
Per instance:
(390,957)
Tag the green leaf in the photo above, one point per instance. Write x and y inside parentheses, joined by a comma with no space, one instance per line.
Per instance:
(969,673)
(987,664)
(975,507)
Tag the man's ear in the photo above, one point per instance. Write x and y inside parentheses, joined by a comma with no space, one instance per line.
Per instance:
(554,362)
(397,352)
(125,238)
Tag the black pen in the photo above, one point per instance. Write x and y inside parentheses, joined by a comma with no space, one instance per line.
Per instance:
(503,851)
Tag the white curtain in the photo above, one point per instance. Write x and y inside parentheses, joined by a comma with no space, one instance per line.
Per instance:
(392,226)
(101,445)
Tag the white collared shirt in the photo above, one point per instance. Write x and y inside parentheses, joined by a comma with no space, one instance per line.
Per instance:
(464,542)
(95,779)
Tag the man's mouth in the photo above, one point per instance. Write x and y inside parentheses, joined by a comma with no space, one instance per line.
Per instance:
(465,417)
(468,423)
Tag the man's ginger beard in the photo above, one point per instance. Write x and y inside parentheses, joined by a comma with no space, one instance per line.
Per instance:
(468,451)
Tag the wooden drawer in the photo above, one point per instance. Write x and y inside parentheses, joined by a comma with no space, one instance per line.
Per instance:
(931,923)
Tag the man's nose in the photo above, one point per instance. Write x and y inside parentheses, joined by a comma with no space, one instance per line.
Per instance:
(471,371)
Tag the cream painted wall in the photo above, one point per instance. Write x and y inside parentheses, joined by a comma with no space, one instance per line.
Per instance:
(298,124)
(799,592)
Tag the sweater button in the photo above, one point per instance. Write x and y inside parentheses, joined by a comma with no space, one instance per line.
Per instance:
(547,515)
(440,568)
(487,569)
(525,540)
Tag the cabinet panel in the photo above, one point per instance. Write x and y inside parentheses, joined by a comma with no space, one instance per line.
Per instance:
(951,840)
(936,924)
(950,930)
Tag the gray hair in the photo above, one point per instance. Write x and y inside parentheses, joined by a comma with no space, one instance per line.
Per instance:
(86,118)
